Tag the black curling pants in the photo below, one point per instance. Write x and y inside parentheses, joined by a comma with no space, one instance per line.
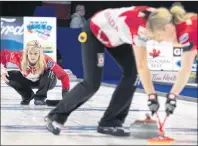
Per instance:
(92,59)
(23,86)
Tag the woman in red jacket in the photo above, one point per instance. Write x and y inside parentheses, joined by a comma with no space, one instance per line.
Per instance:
(116,30)
(36,70)
(177,26)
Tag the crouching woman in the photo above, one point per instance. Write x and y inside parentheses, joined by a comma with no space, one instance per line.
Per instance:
(36,71)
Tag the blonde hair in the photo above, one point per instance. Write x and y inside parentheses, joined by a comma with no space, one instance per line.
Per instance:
(40,64)
(162,16)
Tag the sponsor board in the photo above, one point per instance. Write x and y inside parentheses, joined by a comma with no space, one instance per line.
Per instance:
(177,52)
(42,29)
(163,56)
(177,64)
(159,55)
(12,35)
(17,31)
(169,77)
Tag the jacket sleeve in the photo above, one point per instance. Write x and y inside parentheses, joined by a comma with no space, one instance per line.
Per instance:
(59,72)
(189,37)
(5,57)
(8,56)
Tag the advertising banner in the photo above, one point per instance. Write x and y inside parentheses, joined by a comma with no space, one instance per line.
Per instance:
(177,53)
(17,31)
(159,55)
(170,77)
(12,35)
(42,29)
(163,56)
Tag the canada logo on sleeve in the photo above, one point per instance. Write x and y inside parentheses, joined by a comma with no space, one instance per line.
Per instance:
(100,59)
(50,64)
(183,38)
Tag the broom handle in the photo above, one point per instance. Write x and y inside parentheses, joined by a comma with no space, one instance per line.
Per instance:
(161,125)
(164,121)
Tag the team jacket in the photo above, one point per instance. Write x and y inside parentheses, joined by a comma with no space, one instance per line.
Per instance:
(15,57)
(114,27)
(187,32)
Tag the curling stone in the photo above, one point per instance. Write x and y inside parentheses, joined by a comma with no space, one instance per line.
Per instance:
(144,129)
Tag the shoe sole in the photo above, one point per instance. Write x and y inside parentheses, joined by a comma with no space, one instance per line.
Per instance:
(114,134)
(55,132)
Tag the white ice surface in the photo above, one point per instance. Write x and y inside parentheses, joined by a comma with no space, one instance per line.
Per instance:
(24,125)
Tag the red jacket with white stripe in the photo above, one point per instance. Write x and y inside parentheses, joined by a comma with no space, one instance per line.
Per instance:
(15,57)
(117,26)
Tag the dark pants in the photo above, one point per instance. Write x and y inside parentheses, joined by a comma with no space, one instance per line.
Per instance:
(23,86)
(92,53)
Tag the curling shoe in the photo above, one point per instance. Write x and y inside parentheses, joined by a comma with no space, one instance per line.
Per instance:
(115,131)
(53,126)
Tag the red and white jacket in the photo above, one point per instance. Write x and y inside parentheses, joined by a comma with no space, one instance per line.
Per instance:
(117,26)
(187,32)
(15,57)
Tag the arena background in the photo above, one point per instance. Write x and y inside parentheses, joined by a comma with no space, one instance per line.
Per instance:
(68,46)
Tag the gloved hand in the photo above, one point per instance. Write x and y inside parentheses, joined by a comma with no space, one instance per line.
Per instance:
(170,103)
(153,103)
(64,91)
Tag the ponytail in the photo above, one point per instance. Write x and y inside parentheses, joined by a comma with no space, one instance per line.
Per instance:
(179,14)
(162,16)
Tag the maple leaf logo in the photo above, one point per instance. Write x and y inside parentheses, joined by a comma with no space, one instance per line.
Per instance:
(155,53)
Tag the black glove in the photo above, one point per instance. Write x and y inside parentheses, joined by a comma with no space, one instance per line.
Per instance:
(153,103)
(170,103)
